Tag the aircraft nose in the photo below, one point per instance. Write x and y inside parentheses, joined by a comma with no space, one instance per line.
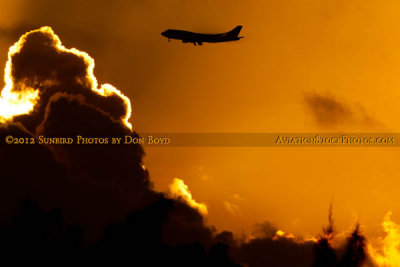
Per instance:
(164,33)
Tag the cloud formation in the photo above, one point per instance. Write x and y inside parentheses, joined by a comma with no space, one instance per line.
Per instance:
(330,113)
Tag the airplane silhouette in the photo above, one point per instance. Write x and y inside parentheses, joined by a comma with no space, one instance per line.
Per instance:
(200,38)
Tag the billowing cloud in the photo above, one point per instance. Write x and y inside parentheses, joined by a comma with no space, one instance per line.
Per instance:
(39,65)
(93,184)
(178,189)
(386,252)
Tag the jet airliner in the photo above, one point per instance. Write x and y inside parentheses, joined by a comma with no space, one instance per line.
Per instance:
(200,38)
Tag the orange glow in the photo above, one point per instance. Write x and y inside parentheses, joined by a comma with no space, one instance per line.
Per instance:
(179,190)
(22,101)
(388,255)
(13,102)
(282,234)
(345,49)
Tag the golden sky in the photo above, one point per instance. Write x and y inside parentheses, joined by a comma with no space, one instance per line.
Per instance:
(298,60)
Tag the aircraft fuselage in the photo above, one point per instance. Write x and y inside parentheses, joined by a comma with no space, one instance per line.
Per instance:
(200,38)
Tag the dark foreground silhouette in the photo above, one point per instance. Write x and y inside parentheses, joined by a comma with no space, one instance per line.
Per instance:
(42,237)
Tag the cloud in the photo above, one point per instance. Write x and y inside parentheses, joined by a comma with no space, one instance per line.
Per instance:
(94,185)
(39,61)
(233,209)
(328,112)
(178,189)
(106,181)
(100,196)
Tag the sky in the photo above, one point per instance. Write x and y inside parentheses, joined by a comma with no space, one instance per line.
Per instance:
(303,66)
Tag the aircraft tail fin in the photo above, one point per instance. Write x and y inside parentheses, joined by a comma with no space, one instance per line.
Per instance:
(235,32)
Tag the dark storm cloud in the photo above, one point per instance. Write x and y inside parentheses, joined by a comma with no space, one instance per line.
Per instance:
(93,184)
(69,105)
(43,65)
(330,113)
(26,171)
